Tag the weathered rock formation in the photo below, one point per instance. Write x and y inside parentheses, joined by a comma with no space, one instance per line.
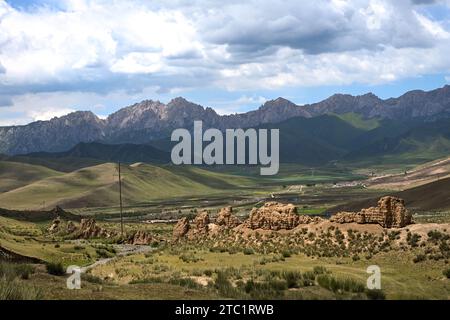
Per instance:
(141,238)
(277,216)
(60,226)
(226,219)
(90,229)
(390,213)
(202,221)
(71,227)
(181,228)
(54,227)
(272,216)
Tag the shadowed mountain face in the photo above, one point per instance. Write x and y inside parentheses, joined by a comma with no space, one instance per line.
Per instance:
(152,120)
(127,153)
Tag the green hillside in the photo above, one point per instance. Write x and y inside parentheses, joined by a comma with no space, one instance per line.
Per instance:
(15,175)
(314,141)
(98,186)
(412,144)
(63,164)
(358,121)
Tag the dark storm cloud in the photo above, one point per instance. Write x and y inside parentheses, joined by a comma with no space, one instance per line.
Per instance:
(315,26)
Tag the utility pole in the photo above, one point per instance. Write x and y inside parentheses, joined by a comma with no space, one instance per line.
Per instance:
(121,207)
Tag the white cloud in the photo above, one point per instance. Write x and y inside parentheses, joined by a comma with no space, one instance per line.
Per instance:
(105,48)
(224,107)
(49,113)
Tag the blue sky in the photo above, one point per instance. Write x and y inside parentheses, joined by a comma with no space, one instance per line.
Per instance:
(60,56)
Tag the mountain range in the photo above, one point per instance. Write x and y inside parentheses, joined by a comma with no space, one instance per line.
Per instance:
(150,121)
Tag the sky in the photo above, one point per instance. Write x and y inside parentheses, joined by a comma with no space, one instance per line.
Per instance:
(59,56)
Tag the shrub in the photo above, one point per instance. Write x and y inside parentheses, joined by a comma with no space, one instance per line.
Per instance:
(446,273)
(155,244)
(412,239)
(292,278)
(286,254)
(55,268)
(419,258)
(248,251)
(320,270)
(336,285)
(208,273)
(18,290)
(91,278)
(103,253)
(435,235)
(188,258)
(224,286)
(185,282)
(265,290)
(12,270)
(375,294)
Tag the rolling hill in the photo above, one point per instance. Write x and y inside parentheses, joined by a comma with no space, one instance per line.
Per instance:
(98,186)
(14,175)
(127,153)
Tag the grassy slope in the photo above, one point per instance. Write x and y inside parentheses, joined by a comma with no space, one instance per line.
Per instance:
(98,186)
(27,239)
(14,175)
(358,121)
(65,164)
(401,278)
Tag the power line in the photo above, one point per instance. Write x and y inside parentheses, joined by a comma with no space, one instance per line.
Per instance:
(121,206)
(120,198)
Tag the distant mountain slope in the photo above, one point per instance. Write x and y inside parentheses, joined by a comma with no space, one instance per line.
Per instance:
(408,142)
(14,175)
(151,120)
(98,186)
(127,153)
(314,141)
(423,174)
(433,196)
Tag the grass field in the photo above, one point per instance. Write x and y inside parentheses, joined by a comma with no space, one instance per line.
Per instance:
(401,279)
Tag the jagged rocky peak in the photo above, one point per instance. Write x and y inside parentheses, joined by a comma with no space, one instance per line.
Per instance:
(182,103)
(79,117)
(138,114)
(281,109)
(279,101)
(150,119)
(179,101)
(369,95)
